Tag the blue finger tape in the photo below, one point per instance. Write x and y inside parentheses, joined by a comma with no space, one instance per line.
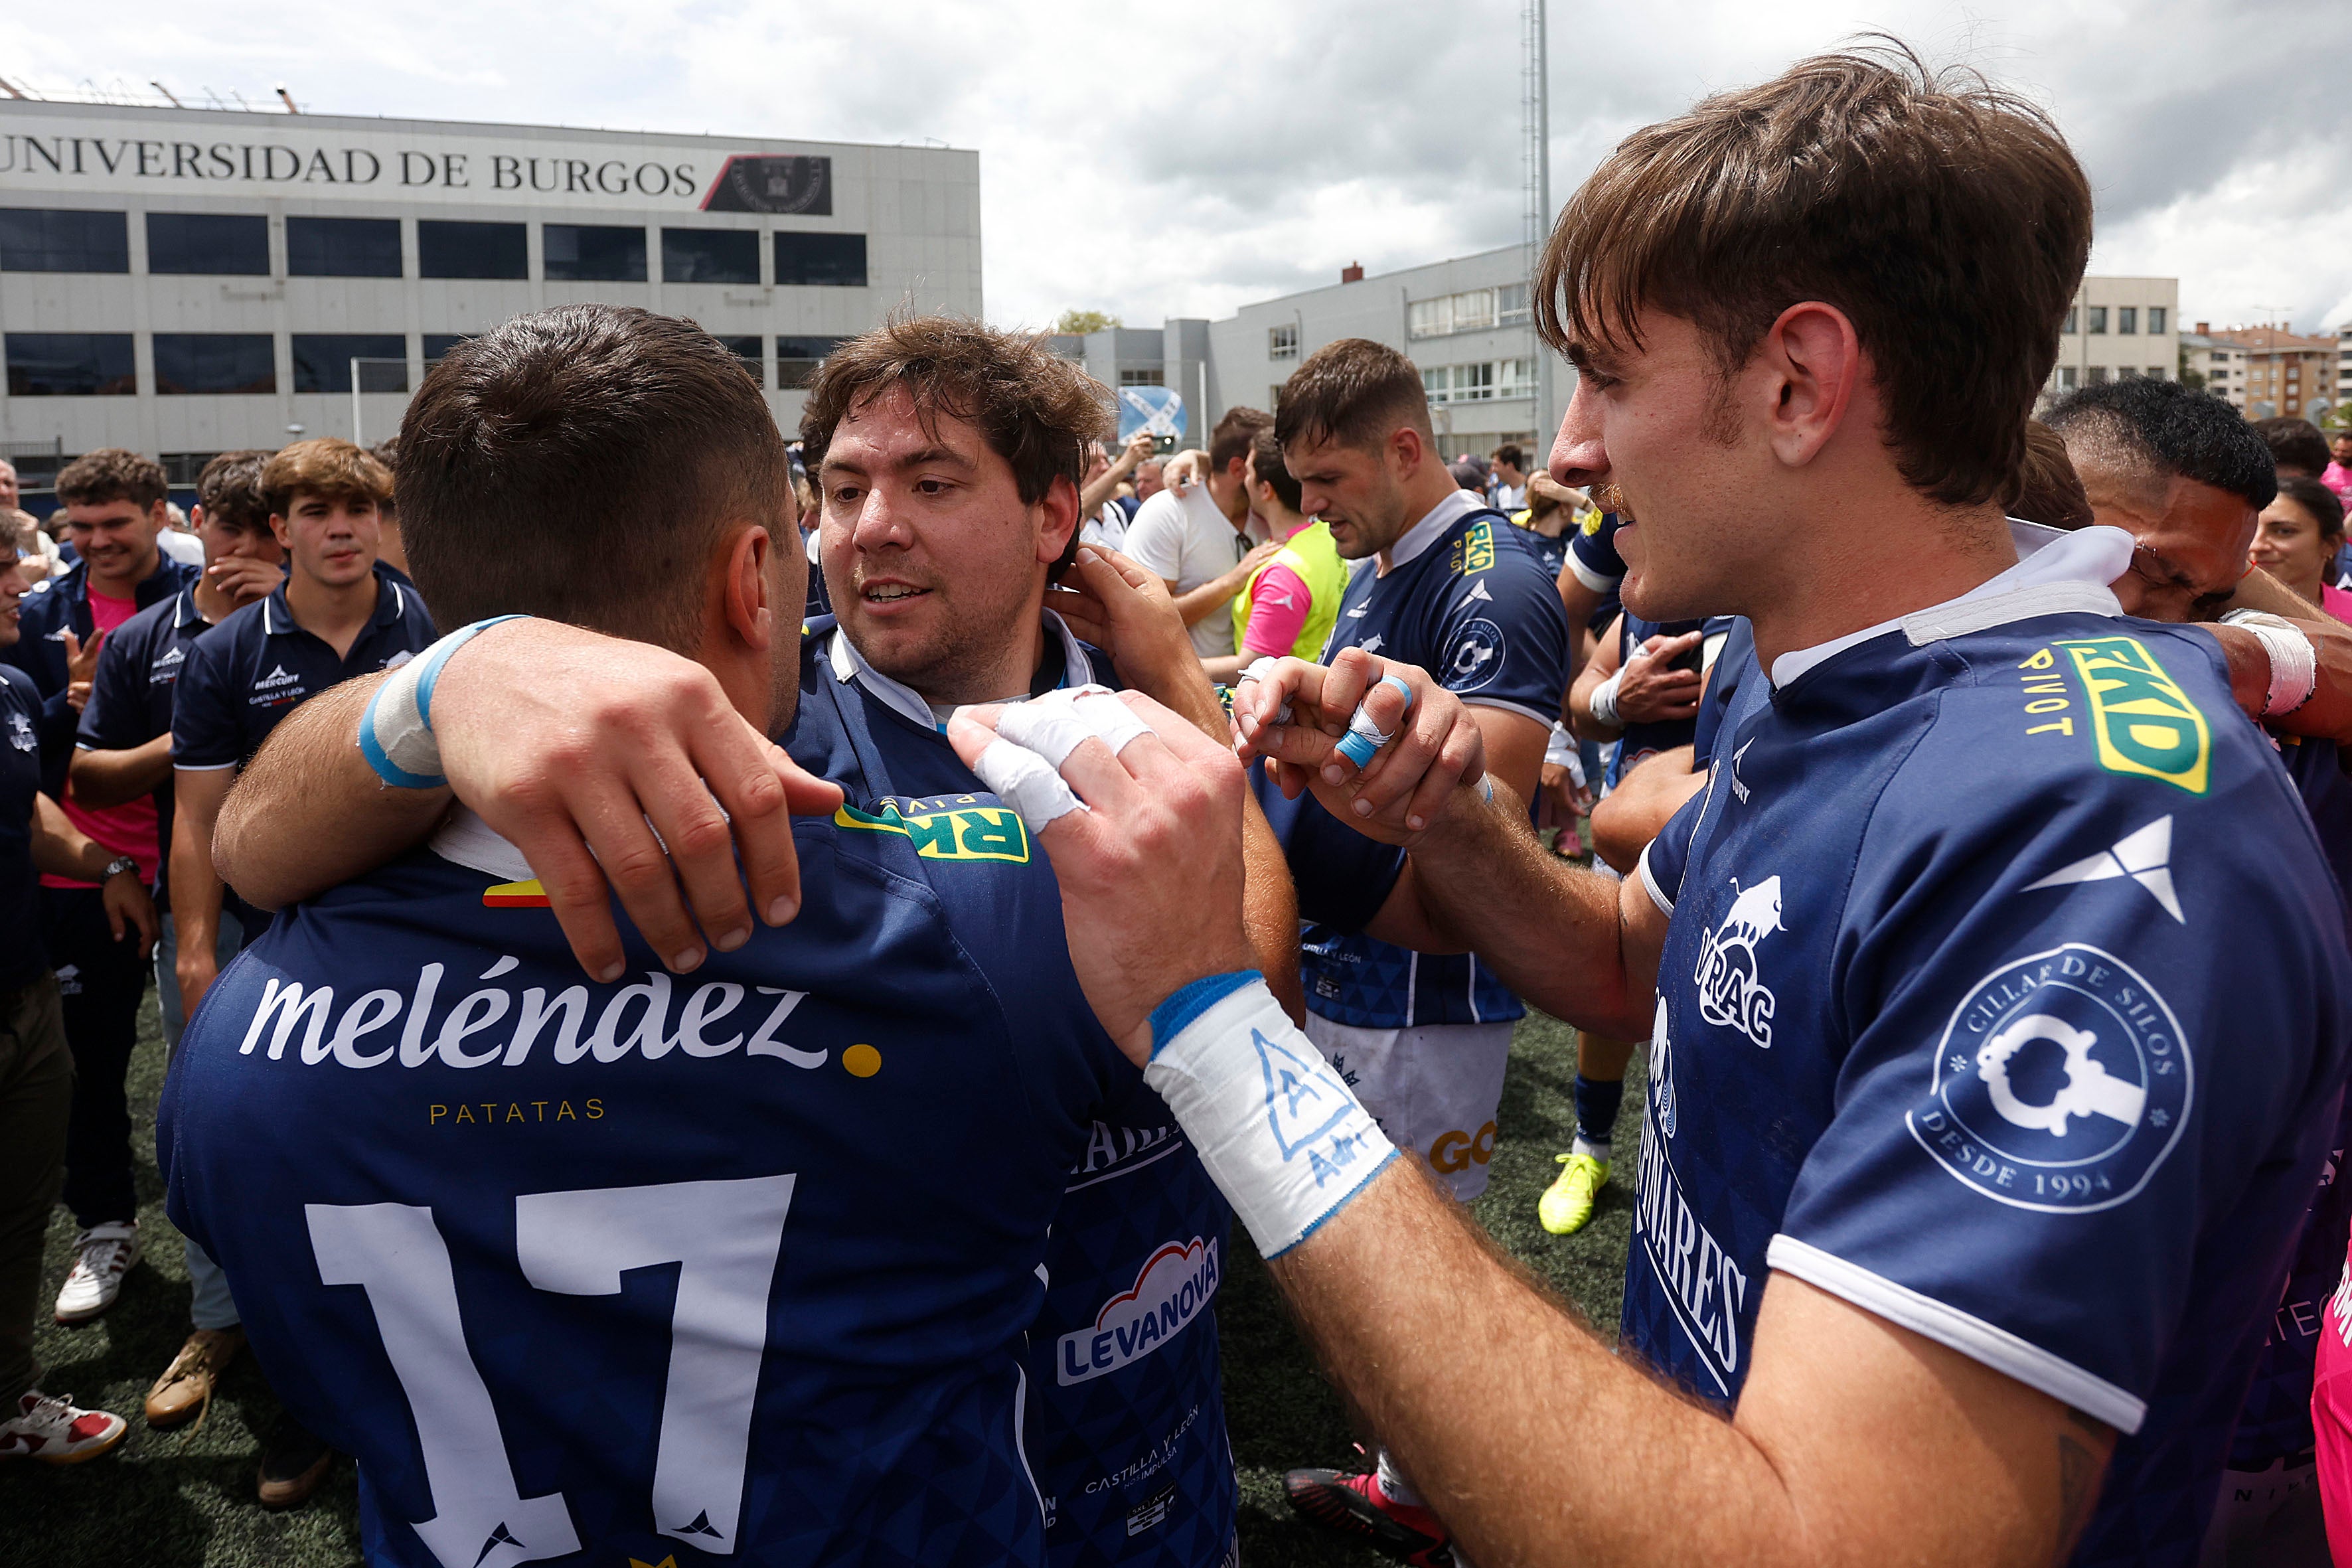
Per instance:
(1364,739)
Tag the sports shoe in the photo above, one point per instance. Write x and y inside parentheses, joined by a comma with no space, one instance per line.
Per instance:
(103,1255)
(1566,1206)
(293,1462)
(49,1427)
(1355,1505)
(186,1389)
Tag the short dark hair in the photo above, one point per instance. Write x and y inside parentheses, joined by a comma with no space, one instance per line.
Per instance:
(2169,427)
(1035,409)
(1354,392)
(1265,457)
(539,456)
(387,452)
(1508,456)
(2049,490)
(2325,506)
(1235,434)
(1944,216)
(111,474)
(229,490)
(2295,444)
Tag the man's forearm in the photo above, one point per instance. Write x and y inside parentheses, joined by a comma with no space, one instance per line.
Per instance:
(1216,594)
(195,888)
(101,779)
(61,849)
(309,813)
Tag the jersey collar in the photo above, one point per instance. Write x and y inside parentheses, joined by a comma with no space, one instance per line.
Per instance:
(468,841)
(2056,572)
(849,664)
(1429,529)
(278,616)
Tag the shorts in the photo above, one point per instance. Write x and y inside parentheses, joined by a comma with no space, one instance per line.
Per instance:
(1433,1089)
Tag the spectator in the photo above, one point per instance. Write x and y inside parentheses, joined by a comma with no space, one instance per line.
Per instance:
(36,557)
(1098,499)
(1467,477)
(174,540)
(9,496)
(1289,604)
(1198,538)
(1148,481)
(1549,514)
(2339,474)
(390,554)
(2297,448)
(37,1071)
(2296,541)
(1510,477)
(115,505)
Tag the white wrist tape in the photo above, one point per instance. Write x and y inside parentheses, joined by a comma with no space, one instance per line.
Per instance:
(1604,702)
(1022,764)
(396,730)
(2295,664)
(1281,1134)
(1559,750)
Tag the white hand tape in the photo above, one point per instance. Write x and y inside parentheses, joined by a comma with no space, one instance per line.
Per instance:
(1023,780)
(1107,717)
(1047,725)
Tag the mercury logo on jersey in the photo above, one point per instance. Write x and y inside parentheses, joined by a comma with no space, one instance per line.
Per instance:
(2061,1083)
(1172,1288)
(166,669)
(714,1019)
(1730,992)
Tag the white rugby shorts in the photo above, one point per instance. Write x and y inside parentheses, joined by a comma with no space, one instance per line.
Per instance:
(1433,1089)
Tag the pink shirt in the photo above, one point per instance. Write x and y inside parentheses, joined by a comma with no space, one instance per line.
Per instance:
(2336,602)
(1279,613)
(2331,1417)
(2338,478)
(130,828)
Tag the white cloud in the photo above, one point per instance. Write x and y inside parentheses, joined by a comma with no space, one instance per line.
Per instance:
(1243,148)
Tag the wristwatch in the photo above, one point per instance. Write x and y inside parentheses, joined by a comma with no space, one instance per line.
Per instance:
(116,866)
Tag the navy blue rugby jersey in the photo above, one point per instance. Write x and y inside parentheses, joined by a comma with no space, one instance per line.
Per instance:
(257,666)
(22,959)
(1593,557)
(732,1267)
(1644,740)
(1727,668)
(130,693)
(1991,1003)
(1125,1420)
(54,606)
(1473,606)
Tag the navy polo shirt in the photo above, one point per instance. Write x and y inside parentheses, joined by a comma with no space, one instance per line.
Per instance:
(130,695)
(251,670)
(54,606)
(21,957)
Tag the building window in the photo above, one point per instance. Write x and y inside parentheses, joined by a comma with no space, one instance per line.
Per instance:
(437,345)
(2156,373)
(322,360)
(183,469)
(70,364)
(2156,318)
(1437,385)
(1517,378)
(2069,329)
(1148,377)
(2126,318)
(343,246)
(593,253)
(1282,343)
(821,261)
(747,349)
(2067,379)
(797,358)
(2098,314)
(710,256)
(215,362)
(446,249)
(45,239)
(2097,376)
(208,244)
(1466,312)
(1511,303)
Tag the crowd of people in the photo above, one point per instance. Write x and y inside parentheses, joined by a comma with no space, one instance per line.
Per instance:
(1149,840)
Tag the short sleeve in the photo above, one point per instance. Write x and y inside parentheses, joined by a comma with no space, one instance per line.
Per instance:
(1666,857)
(110,720)
(1503,642)
(1156,540)
(1593,553)
(1343,877)
(205,731)
(2066,1107)
(1278,610)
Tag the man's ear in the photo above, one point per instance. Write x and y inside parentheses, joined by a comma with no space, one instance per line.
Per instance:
(1812,367)
(160,514)
(278,530)
(1406,449)
(747,598)
(1057,520)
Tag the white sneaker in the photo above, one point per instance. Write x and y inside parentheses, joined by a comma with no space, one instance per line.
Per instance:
(105,1253)
(49,1427)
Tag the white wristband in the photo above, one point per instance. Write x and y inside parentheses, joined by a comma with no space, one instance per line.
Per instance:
(2295,664)
(1281,1134)
(397,728)
(1603,702)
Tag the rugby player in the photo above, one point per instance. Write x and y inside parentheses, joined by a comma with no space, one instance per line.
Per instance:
(115,508)
(1125,1426)
(1956,1203)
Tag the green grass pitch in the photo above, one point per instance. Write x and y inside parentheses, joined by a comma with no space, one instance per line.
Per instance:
(185,1499)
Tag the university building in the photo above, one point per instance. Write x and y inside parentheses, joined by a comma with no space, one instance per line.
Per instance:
(186,281)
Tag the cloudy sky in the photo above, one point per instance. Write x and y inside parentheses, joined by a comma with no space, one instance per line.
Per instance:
(1241,150)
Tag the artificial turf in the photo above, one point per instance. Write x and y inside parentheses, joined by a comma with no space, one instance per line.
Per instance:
(184,1497)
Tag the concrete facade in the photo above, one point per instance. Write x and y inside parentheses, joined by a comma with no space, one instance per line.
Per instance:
(2119,327)
(804,243)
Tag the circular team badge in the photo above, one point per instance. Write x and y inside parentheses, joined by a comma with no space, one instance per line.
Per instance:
(2061,1083)
(1474,657)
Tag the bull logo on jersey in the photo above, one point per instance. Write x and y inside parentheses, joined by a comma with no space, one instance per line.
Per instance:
(2061,1083)
(1474,658)
(1731,992)
(2143,722)
(20,732)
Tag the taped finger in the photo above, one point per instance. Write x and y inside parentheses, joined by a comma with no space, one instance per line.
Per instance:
(1047,725)
(1364,737)
(1112,721)
(1023,780)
